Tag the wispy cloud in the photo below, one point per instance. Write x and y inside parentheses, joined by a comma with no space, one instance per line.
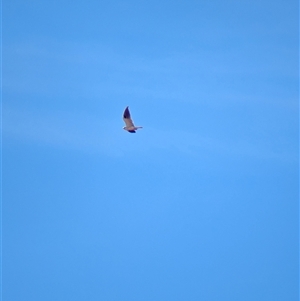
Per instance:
(88,134)
(68,75)
(93,70)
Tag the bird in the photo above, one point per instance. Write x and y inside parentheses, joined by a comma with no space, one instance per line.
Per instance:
(130,127)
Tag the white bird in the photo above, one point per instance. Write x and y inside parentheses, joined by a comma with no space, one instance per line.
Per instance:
(130,127)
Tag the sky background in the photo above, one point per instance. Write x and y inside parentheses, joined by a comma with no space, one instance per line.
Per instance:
(202,203)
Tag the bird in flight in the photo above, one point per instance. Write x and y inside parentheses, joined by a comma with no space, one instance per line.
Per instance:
(130,127)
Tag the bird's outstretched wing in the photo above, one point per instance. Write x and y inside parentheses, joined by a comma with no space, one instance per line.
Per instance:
(127,118)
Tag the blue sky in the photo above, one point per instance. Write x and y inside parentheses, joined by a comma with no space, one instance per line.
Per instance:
(202,203)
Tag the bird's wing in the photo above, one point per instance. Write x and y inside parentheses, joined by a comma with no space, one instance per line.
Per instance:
(127,118)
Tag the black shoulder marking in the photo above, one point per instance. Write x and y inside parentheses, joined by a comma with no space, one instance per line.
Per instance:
(131,131)
(126,113)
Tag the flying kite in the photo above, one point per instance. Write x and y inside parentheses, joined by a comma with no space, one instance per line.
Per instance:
(130,127)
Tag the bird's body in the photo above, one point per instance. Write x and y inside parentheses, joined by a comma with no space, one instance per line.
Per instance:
(130,127)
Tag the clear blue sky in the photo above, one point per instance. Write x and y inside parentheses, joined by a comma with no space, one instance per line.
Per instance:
(202,203)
